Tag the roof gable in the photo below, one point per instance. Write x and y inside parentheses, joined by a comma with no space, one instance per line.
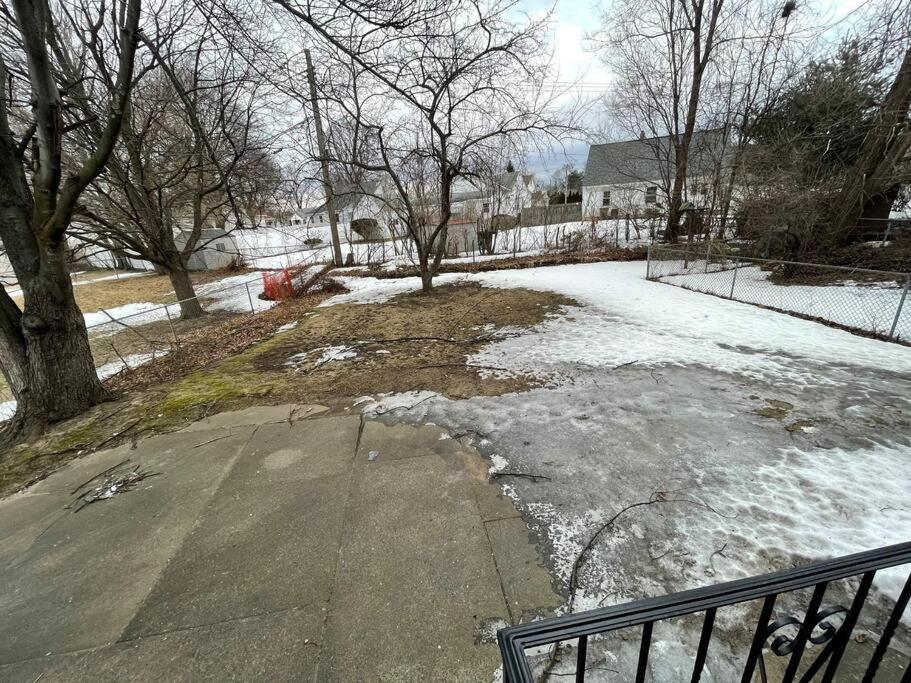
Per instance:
(651,159)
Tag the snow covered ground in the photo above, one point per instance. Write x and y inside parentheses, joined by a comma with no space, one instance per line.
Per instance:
(285,246)
(762,440)
(867,306)
(290,245)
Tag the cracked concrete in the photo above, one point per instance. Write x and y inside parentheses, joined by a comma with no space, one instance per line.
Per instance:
(270,546)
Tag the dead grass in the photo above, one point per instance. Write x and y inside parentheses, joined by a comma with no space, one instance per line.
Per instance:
(242,362)
(94,296)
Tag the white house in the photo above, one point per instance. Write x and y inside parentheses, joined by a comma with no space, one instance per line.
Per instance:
(507,193)
(311,216)
(635,176)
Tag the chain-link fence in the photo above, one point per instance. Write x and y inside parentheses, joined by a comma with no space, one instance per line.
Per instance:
(873,302)
(123,342)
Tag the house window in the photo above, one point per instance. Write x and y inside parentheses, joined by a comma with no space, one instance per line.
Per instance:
(219,246)
(605,198)
(704,189)
(321,218)
(651,194)
(485,207)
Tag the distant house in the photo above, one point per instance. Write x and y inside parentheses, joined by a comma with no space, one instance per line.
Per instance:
(507,193)
(312,216)
(215,249)
(359,201)
(635,176)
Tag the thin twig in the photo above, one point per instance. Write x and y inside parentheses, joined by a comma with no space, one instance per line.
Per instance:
(533,477)
(100,474)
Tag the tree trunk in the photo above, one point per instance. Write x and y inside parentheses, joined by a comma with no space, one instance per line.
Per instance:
(47,358)
(12,345)
(183,287)
(61,380)
(424,267)
(882,153)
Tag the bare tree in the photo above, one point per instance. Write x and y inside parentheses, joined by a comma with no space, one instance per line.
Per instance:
(54,59)
(191,155)
(661,51)
(430,88)
(685,66)
(882,158)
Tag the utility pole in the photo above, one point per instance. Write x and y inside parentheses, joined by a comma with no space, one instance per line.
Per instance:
(324,162)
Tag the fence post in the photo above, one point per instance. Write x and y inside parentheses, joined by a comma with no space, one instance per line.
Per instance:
(249,297)
(734,280)
(171,324)
(708,254)
(648,263)
(901,303)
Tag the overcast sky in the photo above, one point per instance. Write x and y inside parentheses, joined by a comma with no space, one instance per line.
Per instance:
(574,19)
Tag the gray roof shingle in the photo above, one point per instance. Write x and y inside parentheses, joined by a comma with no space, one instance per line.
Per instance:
(651,159)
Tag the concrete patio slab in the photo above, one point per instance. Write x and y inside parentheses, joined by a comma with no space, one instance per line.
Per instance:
(304,450)
(302,411)
(415,574)
(493,504)
(258,548)
(277,646)
(527,584)
(240,418)
(268,551)
(24,517)
(396,442)
(277,518)
(79,584)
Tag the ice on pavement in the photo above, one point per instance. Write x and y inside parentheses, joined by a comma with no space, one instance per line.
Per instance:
(681,419)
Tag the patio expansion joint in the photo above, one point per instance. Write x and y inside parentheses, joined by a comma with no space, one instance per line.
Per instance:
(164,567)
(493,557)
(338,548)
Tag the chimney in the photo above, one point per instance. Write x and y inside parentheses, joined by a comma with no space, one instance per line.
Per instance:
(642,136)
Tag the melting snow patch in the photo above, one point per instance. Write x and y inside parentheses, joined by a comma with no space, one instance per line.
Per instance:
(327,354)
(128,363)
(287,327)
(498,463)
(387,403)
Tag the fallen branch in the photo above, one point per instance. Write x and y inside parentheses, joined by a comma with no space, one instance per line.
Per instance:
(533,477)
(413,405)
(459,365)
(100,474)
(656,498)
(444,340)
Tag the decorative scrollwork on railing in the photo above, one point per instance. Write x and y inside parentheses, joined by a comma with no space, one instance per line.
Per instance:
(822,633)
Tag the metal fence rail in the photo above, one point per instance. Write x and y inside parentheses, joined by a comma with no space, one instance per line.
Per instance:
(125,342)
(791,636)
(872,302)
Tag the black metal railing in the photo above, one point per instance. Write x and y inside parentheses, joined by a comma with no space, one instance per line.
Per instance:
(815,627)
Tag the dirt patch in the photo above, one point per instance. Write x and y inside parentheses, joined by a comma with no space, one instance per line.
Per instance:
(412,342)
(775,409)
